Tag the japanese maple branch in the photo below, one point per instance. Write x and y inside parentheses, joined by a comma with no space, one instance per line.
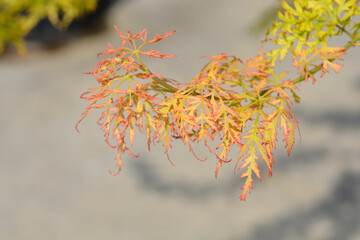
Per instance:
(354,38)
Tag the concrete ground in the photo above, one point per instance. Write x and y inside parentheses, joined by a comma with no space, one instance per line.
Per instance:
(54,182)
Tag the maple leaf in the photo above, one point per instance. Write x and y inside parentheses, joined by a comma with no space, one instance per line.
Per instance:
(156,54)
(160,37)
(135,107)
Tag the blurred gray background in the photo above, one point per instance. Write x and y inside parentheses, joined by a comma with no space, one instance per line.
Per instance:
(54,182)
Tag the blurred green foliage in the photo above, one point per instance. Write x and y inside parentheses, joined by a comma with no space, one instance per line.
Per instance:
(18,17)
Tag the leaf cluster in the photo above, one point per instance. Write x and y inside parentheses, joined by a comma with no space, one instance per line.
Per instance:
(243,104)
(18,17)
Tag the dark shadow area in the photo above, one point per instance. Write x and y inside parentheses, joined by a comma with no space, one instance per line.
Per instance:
(94,22)
(302,157)
(299,157)
(337,119)
(149,179)
(338,215)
